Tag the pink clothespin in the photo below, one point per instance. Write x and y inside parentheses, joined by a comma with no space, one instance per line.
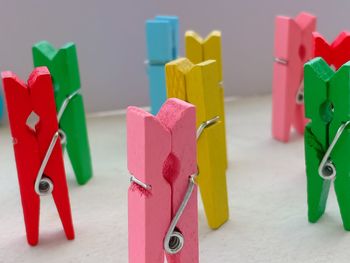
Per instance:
(162,198)
(293,47)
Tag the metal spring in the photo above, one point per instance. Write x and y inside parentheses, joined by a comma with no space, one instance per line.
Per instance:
(174,240)
(43,185)
(327,169)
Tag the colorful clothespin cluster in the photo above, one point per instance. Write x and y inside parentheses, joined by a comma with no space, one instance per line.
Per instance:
(162,198)
(293,47)
(327,96)
(38,132)
(326,106)
(36,142)
(162,39)
(327,140)
(182,142)
(162,155)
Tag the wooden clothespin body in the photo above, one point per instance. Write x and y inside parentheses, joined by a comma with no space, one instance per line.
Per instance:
(199,50)
(162,155)
(162,39)
(293,47)
(335,54)
(31,145)
(63,65)
(199,85)
(327,137)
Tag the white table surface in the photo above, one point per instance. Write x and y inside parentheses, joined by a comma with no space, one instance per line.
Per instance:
(267,193)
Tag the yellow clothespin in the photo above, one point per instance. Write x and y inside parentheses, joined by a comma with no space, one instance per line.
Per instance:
(199,50)
(199,84)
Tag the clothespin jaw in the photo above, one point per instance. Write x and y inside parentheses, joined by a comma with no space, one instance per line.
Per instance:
(293,46)
(162,156)
(194,47)
(31,145)
(335,54)
(199,85)
(44,53)
(162,39)
(63,65)
(327,140)
(199,50)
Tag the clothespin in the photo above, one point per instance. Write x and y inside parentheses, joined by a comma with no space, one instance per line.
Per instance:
(293,47)
(199,50)
(162,198)
(199,85)
(327,140)
(335,54)
(63,66)
(162,39)
(37,148)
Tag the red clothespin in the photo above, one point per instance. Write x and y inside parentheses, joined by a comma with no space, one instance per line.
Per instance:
(37,148)
(335,54)
(162,197)
(293,47)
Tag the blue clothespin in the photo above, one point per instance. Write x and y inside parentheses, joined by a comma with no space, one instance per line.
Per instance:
(162,39)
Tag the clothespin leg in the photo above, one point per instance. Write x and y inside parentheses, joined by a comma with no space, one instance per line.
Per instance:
(299,120)
(223,120)
(61,199)
(157,87)
(31,212)
(342,186)
(60,194)
(77,142)
(317,187)
(213,189)
(281,114)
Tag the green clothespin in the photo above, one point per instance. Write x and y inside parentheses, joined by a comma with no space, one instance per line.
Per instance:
(327,137)
(64,69)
